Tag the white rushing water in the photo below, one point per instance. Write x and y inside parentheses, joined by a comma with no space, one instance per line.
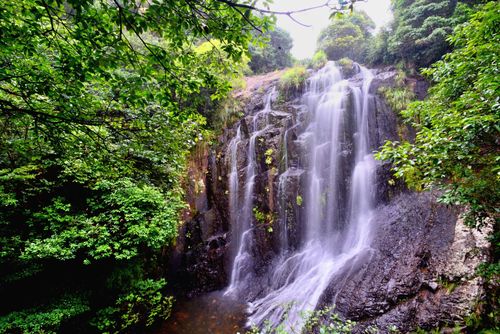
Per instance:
(330,246)
(241,212)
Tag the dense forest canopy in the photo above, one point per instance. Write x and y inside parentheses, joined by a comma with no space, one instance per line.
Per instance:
(101,102)
(347,36)
(273,55)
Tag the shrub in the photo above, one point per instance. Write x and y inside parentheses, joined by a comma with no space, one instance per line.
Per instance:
(398,98)
(346,66)
(319,59)
(140,307)
(44,319)
(293,79)
(273,55)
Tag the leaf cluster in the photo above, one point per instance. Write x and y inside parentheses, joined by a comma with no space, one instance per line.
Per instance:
(421,28)
(347,36)
(273,55)
(293,80)
(457,142)
(99,106)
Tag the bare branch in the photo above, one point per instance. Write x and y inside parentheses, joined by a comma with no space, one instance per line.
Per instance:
(328,3)
(298,22)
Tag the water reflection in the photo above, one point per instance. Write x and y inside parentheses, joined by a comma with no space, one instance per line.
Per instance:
(212,313)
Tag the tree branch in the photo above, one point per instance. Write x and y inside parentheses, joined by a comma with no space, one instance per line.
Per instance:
(331,4)
(233,4)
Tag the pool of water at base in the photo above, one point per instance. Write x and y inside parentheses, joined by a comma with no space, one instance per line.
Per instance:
(207,314)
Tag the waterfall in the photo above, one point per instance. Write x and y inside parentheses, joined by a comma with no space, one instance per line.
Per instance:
(338,201)
(242,213)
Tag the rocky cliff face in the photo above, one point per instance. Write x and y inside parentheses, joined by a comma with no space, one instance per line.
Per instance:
(421,270)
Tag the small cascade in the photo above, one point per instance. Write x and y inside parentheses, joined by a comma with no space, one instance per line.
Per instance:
(242,213)
(283,232)
(283,180)
(234,204)
(362,184)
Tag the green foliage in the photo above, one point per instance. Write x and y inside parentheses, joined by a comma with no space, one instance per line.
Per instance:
(456,146)
(122,218)
(346,63)
(323,321)
(393,329)
(273,55)
(128,311)
(264,219)
(293,79)
(347,66)
(319,59)
(222,112)
(399,96)
(378,52)
(446,284)
(260,216)
(45,319)
(327,322)
(233,71)
(99,106)
(299,200)
(490,270)
(347,36)
(269,156)
(420,30)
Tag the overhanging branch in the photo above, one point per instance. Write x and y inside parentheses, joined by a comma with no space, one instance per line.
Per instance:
(337,5)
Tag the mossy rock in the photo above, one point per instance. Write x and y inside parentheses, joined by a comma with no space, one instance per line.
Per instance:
(347,67)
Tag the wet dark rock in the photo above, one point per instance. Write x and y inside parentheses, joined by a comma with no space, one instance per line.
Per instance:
(388,186)
(418,254)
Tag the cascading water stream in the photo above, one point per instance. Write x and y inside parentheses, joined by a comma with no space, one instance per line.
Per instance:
(362,185)
(241,213)
(329,244)
(282,191)
(234,205)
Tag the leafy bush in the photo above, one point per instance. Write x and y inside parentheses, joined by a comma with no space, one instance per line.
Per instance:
(347,66)
(44,319)
(456,147)
(347,36)
(399,96)
(142,306)
(319,59)
(293,79)
(124,218)
(272,54)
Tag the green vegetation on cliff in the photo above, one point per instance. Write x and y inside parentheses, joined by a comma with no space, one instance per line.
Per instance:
(457,146)
(457,125)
